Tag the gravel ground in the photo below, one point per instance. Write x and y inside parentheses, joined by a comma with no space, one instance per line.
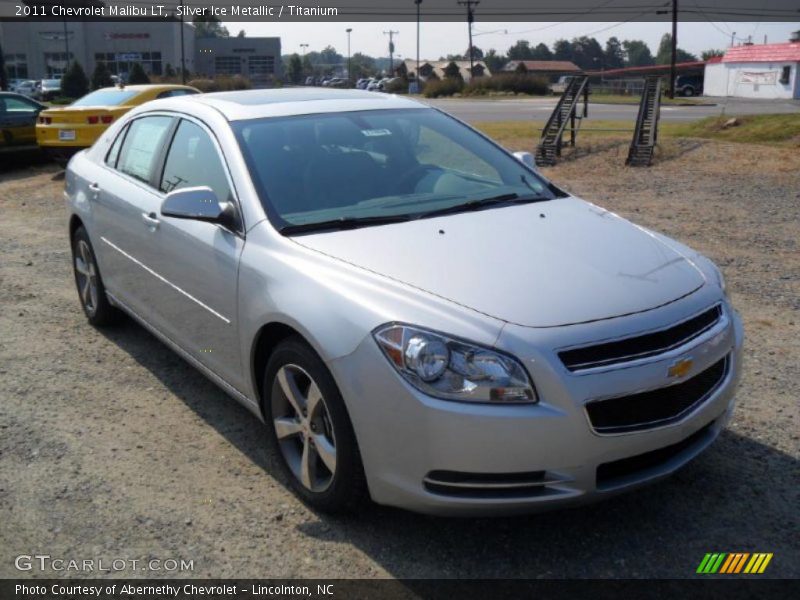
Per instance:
(113,447)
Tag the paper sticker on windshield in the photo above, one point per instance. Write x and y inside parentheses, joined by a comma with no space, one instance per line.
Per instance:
(376,132)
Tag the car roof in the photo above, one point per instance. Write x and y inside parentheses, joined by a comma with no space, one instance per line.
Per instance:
(254,104)
(143,87)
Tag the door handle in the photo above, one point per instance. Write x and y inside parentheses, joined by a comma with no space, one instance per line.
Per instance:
(95,188)
(150,219)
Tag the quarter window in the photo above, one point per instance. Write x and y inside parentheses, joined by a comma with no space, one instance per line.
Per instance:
(113,154)
(193,161)
(146,137)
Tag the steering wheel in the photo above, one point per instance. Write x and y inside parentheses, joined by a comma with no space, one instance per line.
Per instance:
(413,175)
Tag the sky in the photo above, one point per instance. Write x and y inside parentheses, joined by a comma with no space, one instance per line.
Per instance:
(440,39)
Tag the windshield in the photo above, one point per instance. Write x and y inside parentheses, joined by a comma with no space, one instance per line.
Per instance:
(372,165)
(105,98)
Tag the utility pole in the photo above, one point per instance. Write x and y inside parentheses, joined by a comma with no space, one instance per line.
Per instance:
(470,19)
(733,37)
(417,79)
(391,35)
(183,55)
(672,71)
(349,72)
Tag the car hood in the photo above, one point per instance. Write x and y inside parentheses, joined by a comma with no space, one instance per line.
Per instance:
(545,264)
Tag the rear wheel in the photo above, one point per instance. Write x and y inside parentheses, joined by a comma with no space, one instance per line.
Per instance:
(310,429)
(688,91)
(91,291)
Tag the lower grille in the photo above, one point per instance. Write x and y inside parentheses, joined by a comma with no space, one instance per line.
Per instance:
(655,408)
(489,485)
(615,473)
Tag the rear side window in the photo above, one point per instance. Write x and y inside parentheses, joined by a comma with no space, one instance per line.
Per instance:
(113,154)
(193,161)
(107,97)
(143,143)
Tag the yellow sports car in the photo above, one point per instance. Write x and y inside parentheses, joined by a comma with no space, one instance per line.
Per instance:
(63,131)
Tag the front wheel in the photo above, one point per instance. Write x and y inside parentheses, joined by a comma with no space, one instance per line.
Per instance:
(91,292)
(311,430)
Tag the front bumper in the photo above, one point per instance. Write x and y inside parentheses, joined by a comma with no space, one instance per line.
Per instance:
(418,450)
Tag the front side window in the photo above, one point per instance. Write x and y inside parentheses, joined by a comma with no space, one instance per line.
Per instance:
(373,164)
(193,161)
(145,139)
(17,106)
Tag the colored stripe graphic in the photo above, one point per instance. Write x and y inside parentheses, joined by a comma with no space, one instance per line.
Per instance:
(734,563)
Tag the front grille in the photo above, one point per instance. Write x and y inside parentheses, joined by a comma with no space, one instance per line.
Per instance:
(640,346)
(612,474)
(655,408)
(490,485)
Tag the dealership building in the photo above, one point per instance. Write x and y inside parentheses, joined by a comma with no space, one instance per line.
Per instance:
(38,50)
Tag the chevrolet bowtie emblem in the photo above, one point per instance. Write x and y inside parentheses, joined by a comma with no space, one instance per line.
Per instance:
(680,368)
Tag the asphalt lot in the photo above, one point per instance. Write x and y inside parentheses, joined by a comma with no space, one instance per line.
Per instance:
(113,447)
(539,109)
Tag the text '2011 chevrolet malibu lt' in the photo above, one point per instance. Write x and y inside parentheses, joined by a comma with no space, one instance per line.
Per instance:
(417,315)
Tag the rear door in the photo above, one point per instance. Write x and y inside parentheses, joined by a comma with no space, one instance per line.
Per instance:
(200,260)
(126,208)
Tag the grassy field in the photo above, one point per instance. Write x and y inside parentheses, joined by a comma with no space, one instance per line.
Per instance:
(782,130)
(596,98)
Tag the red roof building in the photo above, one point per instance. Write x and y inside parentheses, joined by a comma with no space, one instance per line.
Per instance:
(770,71)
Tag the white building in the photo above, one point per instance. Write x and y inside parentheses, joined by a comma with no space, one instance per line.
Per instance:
(769,71)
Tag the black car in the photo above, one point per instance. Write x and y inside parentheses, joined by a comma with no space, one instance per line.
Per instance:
(689,85)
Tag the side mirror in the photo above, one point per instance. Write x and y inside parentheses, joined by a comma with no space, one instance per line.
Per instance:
(199,204)
(526,158)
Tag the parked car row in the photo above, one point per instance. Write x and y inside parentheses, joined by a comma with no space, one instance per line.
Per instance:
(64,130)
(44,89)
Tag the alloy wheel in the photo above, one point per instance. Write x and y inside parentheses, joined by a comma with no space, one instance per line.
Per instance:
(303,428)
(86,272)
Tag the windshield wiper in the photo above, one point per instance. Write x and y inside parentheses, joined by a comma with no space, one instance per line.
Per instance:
(512,198)
(342,223)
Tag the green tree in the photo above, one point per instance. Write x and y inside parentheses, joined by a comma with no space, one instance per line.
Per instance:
(329,56)
(541,52)
(451,71)
(494,61)
(637,54)
(294,69)
(241,34)
(562,50)
(137,75)
(707,54)
(74,82)
(308,68)
(477,53)
(664,54)
(587,53)
(362,65)
(101,76)
(613,54)
(521,68)
(169,71)
(209,26)
(520,51)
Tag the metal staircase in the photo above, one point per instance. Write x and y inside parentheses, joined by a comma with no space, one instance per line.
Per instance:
(565,112)
(645,135)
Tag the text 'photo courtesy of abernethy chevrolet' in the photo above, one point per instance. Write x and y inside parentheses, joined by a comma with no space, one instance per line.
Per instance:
(419,317)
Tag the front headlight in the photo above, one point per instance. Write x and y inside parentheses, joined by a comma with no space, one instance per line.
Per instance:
(452,369)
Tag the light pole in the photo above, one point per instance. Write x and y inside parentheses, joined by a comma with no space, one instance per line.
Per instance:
(183,52)
(349,75)
(416,78)
(303,48)
(391,35)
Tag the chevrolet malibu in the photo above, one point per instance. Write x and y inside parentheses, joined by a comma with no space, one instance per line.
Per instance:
(417,315)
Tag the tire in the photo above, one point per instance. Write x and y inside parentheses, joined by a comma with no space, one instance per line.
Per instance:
(91,291)
(313,438)
(688,92)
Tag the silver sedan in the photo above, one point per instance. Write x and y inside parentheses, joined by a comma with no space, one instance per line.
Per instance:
(416,314)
